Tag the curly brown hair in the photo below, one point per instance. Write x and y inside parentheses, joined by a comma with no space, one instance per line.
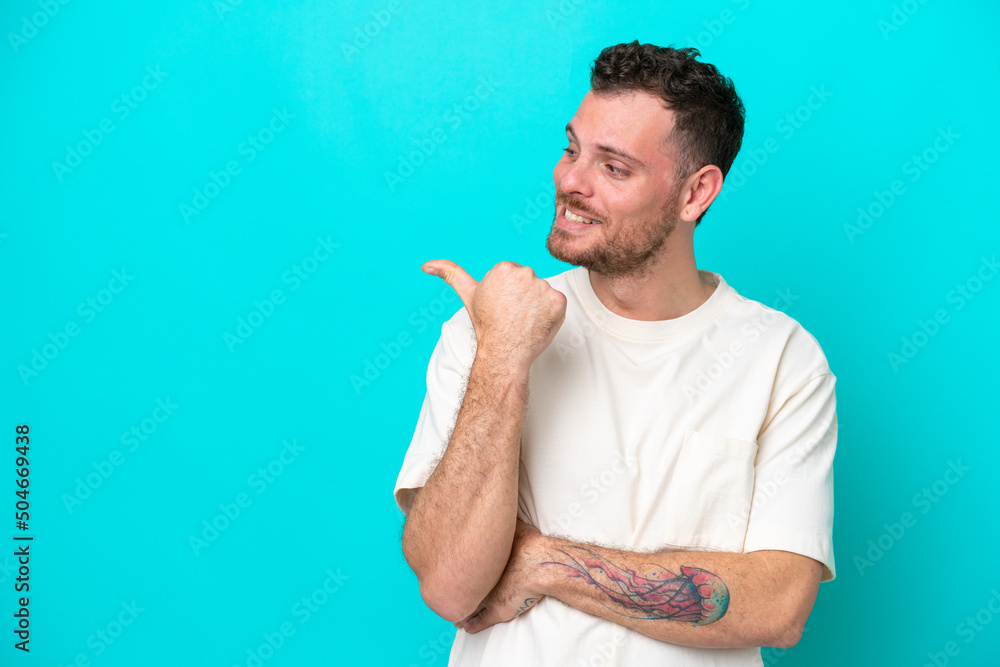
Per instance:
(709,115)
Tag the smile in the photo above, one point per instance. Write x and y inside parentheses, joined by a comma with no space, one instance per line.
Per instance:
(579,218)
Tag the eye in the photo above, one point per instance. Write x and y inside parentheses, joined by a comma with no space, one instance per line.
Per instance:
(569,151)
(616,171)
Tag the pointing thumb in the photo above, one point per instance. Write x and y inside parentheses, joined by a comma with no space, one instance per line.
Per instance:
(460,281)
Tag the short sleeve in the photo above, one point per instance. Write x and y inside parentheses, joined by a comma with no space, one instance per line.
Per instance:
(792,506)
(447,379)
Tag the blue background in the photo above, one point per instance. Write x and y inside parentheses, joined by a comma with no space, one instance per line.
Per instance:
(333,111)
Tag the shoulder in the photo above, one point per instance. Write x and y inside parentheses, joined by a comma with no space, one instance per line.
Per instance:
(798,353)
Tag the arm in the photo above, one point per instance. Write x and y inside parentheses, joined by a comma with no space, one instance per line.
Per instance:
(694,598)
(459,530)
(460,526)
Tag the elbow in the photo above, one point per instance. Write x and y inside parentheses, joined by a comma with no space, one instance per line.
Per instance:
(440,589)
(448,600)
(792,609)
(786,632)
(787,638)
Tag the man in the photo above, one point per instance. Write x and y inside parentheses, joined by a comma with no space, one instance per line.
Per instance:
(658,489)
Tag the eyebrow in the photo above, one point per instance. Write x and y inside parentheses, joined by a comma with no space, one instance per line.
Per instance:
(609,149)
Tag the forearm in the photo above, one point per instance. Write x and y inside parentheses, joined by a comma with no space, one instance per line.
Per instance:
(702,599)
(460,527)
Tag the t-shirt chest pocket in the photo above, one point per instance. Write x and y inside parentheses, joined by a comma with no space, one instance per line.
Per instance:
(709,492)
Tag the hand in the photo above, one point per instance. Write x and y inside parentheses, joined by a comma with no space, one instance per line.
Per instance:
(514,313)
(514,594)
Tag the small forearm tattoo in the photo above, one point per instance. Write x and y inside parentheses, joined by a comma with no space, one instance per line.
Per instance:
(528,604)
(695,596)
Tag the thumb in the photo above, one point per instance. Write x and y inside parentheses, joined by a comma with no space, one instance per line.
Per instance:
(460,281)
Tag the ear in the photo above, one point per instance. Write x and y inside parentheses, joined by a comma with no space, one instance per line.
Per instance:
(699,191)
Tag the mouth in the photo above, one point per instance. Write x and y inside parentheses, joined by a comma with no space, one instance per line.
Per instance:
(574,221)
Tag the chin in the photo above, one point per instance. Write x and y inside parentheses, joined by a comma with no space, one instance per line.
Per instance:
(560,245)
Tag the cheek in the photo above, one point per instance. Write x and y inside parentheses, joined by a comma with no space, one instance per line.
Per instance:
(621,206)
(632,204)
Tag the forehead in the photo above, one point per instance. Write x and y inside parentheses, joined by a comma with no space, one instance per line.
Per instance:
(635,121)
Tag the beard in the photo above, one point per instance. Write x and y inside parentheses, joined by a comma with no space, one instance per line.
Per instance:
(629,253)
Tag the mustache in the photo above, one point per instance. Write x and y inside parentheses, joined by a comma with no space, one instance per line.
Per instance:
(577,205)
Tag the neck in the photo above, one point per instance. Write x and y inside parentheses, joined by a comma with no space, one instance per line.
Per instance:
(668,287)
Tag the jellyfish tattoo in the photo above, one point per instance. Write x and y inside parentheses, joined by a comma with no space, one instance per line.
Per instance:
(695,596)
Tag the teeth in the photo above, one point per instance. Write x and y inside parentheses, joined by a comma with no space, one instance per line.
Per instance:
(576,218)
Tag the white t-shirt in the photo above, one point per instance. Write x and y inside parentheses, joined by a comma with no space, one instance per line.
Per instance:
(713,431)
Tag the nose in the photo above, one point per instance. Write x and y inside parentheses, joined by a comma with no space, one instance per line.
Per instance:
(572,178)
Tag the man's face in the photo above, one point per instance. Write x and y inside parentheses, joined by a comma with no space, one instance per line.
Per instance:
(617,173)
